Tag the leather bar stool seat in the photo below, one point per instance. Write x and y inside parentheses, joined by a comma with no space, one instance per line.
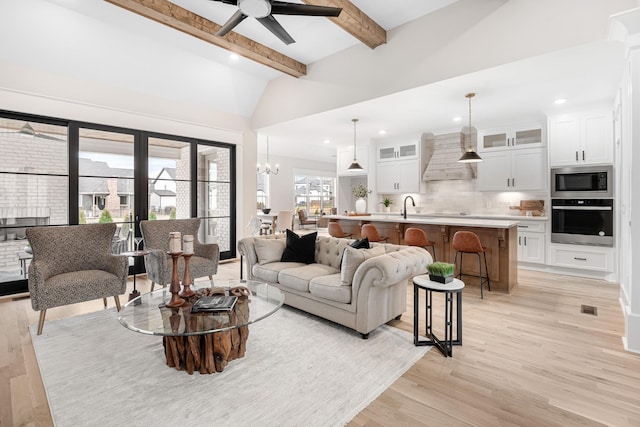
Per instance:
(371,232)
(468,242)
(417,237)
(336,231)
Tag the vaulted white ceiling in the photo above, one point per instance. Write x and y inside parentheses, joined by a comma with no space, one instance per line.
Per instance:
(92,40)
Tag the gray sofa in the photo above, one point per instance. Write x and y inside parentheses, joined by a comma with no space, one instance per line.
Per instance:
(358,288)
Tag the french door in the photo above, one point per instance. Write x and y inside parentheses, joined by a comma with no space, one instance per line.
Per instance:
(57,172)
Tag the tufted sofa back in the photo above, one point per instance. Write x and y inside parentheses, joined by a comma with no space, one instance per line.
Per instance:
(329,250)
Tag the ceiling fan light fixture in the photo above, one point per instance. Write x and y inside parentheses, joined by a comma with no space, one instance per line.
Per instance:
(27,130)
(470,156)
(255,8)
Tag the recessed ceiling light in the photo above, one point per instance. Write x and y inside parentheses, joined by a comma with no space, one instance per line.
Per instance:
(559,101)
(382,132)
(326,141)
(234,57)
(457,119)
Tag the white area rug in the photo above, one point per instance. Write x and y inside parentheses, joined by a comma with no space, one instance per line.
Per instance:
(299,370)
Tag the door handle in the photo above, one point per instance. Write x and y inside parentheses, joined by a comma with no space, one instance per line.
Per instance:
(579,259)
(525,240)
(520,240)
(513,182)
(576,156)
(583,155)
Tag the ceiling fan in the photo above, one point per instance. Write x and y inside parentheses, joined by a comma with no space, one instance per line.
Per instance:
(263,11)
(27,130)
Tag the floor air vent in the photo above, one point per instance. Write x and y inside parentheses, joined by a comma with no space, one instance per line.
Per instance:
(589,309)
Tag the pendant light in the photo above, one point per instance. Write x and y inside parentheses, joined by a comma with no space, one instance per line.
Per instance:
(355,166)
(267,166)
(470,156)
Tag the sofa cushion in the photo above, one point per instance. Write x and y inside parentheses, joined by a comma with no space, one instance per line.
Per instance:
(330,287)
(298,278)
(269,272)
(352,259)
(269,250)
(300,248)
(329,250)
(361,244)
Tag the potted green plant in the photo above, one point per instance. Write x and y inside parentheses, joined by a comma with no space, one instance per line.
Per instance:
(386,202)
(441,272)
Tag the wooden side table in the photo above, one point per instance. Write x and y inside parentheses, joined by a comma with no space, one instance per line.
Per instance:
(455,287)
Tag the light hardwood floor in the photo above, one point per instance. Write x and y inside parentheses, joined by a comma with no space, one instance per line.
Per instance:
(529,358)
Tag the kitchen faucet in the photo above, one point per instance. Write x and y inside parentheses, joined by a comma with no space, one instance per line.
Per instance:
(413,202)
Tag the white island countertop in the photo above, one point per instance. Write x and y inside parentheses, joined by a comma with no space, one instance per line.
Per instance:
(463,221)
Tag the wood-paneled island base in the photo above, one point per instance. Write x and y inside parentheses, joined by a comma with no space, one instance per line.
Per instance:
(498,237)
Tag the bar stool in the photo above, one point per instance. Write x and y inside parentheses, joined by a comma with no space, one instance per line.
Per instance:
(417,237)
(371,232)
(336,231)
(467,242)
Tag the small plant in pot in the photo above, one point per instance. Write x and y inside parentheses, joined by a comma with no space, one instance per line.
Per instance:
(441,272)
(386,202)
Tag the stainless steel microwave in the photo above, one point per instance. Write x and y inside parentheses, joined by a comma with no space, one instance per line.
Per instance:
(582,182)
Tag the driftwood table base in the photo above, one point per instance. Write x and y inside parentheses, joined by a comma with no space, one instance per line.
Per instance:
(211,352)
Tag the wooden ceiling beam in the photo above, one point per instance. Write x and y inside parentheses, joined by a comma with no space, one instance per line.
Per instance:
(355,22)
(181,19)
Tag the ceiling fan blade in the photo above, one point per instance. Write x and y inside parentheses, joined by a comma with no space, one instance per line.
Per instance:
(284,8)
(233,2)
(235,19)
(274,26)
(43,136)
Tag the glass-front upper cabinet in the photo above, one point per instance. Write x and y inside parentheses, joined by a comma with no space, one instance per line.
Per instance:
(520,136)
(397,151)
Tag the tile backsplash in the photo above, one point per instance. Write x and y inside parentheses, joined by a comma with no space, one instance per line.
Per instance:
(456,196)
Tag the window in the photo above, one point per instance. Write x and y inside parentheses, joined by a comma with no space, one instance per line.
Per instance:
(262,196)
(314,193)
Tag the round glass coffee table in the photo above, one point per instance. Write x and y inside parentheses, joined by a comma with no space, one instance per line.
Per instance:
(202,341)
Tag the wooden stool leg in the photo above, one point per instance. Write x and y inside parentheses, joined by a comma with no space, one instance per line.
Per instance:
(41,321)
(104,300)
(486,270)
(152,285)
(116,298)
(480,271)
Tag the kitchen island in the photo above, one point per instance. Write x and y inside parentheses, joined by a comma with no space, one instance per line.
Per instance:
(498,237)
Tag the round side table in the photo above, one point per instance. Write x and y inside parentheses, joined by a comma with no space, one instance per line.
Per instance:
(135,255)
(454,287)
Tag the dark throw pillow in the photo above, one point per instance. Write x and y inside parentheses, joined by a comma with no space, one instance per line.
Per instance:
(300,248)
(361,244)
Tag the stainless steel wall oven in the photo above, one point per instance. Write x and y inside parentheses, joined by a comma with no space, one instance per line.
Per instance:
(582,221)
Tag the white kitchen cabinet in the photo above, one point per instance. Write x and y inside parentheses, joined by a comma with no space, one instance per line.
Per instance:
(398,151)
(345,158)
(581,257)
(513,170)
(582,138)
(401,176)
(531,242)
(514,137)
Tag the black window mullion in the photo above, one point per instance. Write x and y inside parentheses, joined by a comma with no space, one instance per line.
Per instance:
(73,148)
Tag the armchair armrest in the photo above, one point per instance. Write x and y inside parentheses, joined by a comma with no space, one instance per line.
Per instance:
(118,266)
(156,262)
(393,267)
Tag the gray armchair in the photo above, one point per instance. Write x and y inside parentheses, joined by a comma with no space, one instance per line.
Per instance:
(74,264)
(158,264)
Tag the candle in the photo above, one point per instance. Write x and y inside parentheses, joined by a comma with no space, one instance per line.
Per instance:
(187,241)
(175,243)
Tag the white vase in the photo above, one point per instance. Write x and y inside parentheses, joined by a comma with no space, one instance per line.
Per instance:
(361,206)
(386,209)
